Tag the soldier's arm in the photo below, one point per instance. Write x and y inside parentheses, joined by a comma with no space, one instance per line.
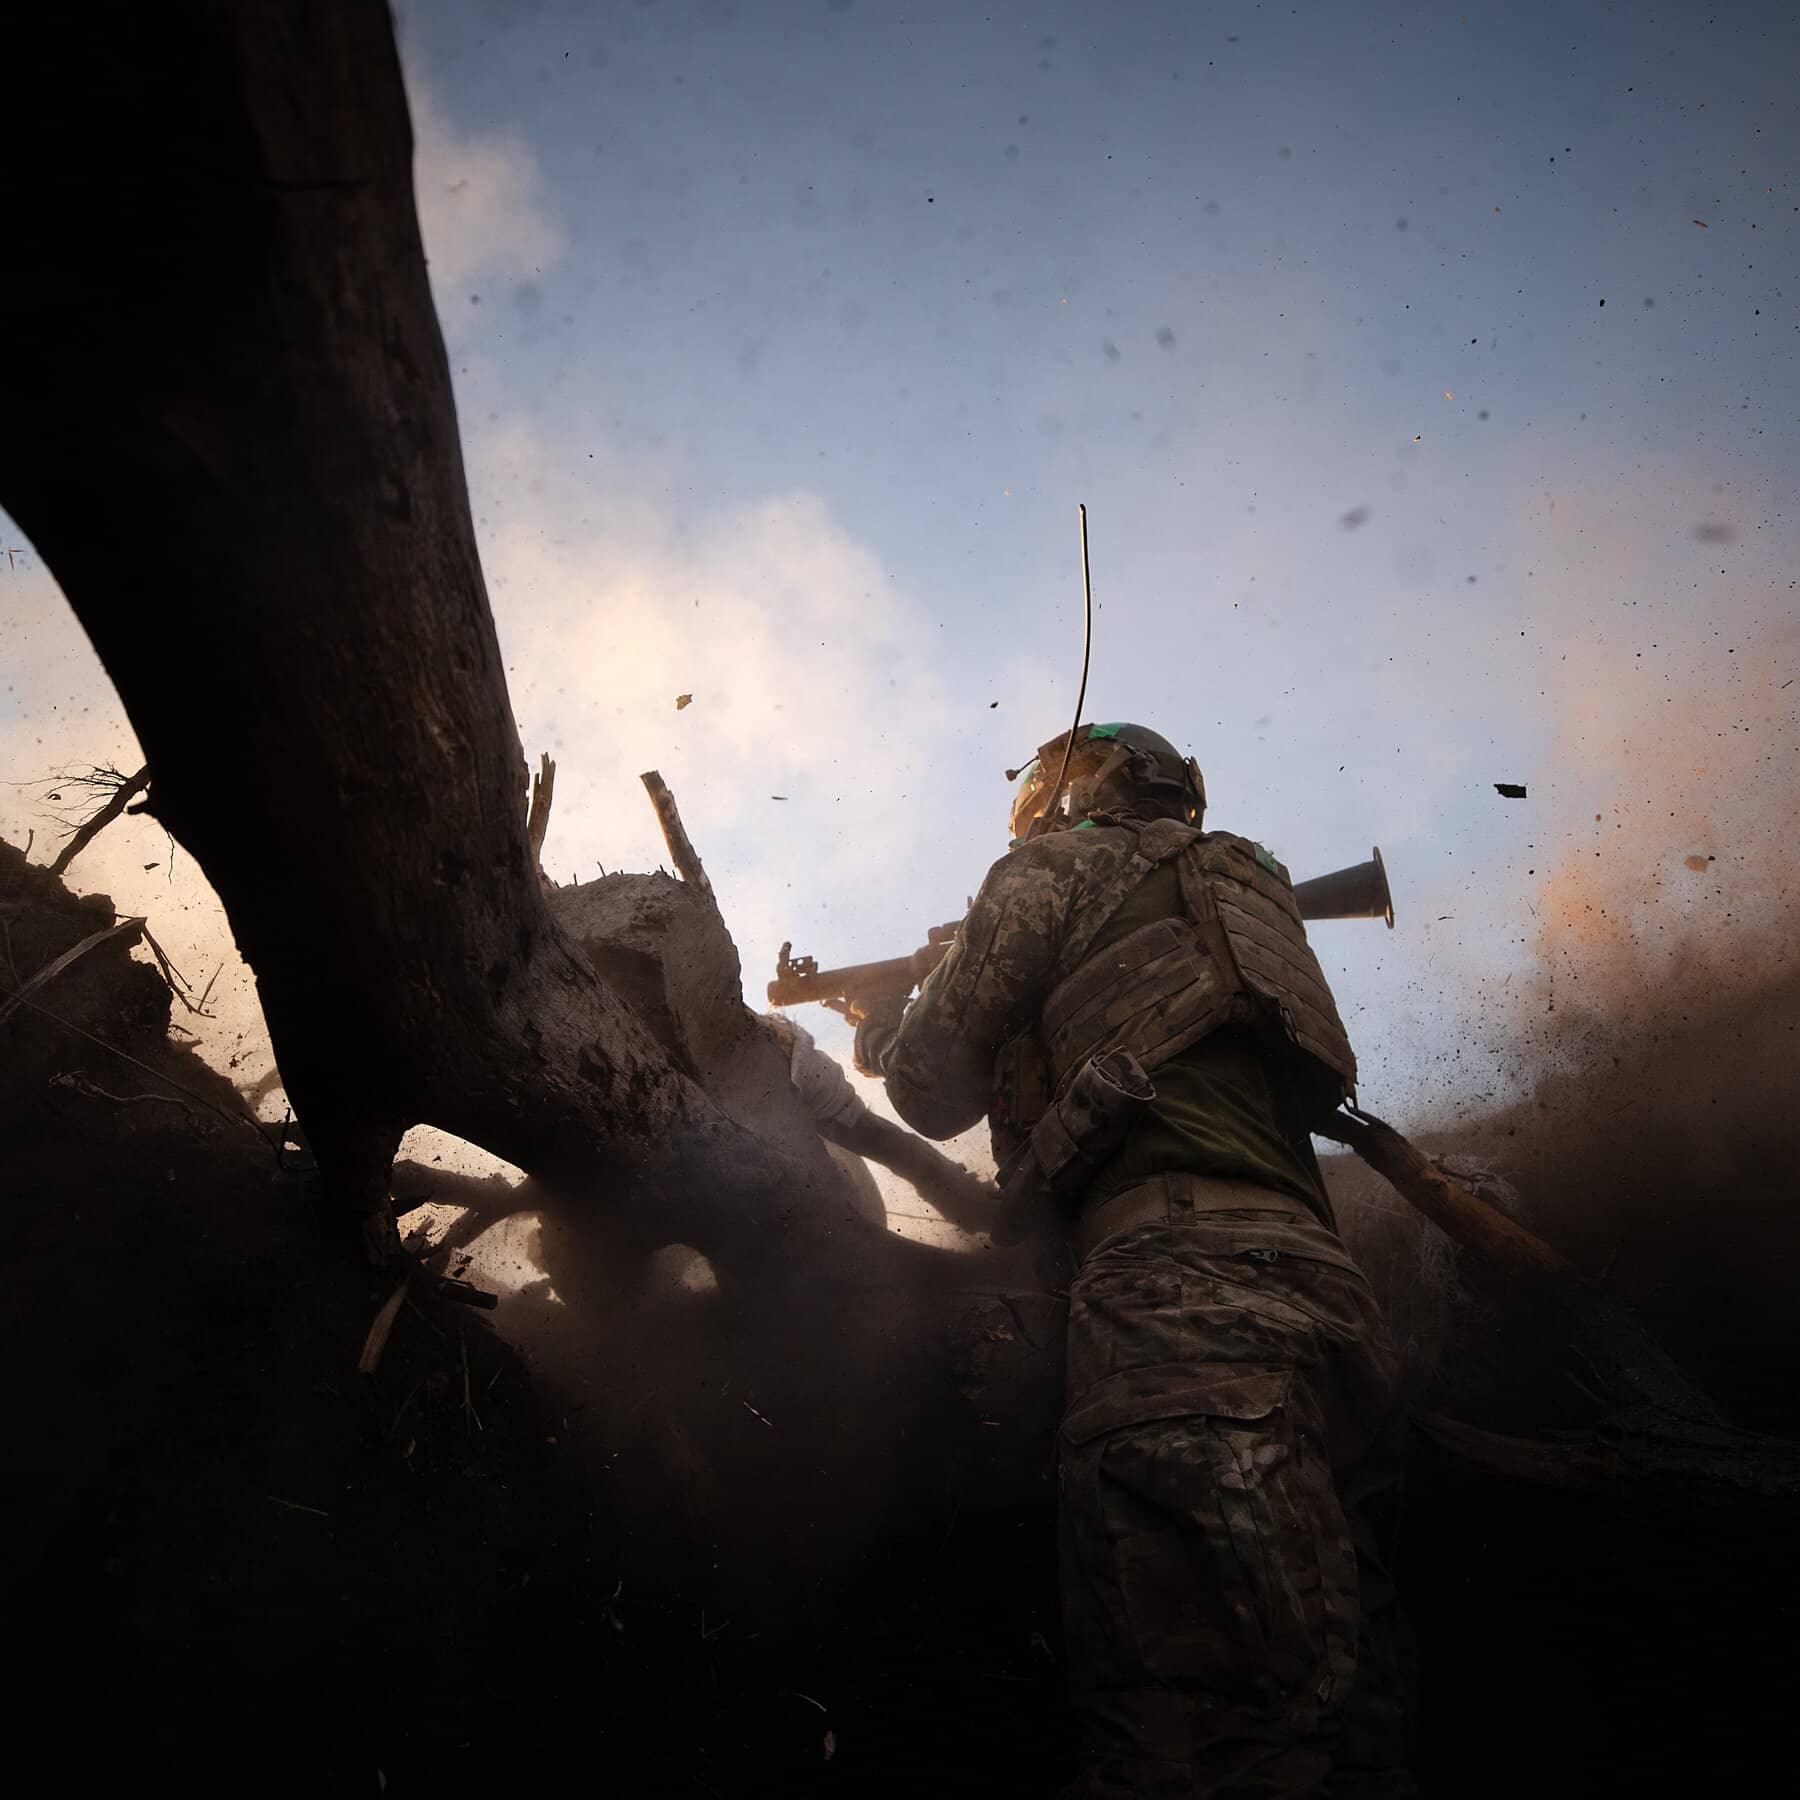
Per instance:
(991,985)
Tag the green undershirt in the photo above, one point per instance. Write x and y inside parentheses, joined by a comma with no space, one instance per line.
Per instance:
(1224,1107)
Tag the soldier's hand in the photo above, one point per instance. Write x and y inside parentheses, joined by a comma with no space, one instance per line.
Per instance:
(818,1079)
(876,1031)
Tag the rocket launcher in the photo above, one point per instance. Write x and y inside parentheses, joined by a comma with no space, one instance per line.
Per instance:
(1358,892)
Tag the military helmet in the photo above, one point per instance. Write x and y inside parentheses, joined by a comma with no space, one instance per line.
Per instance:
(1110,766)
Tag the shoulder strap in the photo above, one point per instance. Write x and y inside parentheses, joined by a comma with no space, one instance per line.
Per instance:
(1156,843)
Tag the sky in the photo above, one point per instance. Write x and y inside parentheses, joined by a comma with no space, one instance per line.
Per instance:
(1430,377)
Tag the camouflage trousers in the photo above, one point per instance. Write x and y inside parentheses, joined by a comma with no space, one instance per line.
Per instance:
(1228,1473)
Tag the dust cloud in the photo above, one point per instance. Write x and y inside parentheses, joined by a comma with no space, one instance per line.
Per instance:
(1653,1037)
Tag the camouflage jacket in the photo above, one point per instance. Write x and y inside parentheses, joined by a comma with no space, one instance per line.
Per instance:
(1035,906)
(993,983)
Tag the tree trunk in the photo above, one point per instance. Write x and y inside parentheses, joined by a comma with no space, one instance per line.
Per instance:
(229,431)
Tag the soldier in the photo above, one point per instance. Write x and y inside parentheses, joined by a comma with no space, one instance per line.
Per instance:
(1225,1449)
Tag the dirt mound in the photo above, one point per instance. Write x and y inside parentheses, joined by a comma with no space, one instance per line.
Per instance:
(275,1574)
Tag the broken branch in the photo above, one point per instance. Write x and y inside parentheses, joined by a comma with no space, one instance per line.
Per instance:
(155,1074)
(383,1324)
(1505,1249)
(79,1084)
(22,996)
(89,829)
(537,820)
(1644,1447)
(1629,1366)
(681,849)
(176,982)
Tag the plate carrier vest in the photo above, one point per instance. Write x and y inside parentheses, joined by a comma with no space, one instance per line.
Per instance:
(1236,954)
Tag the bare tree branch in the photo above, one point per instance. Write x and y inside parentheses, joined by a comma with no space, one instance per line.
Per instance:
(48,973)
(130,787)
(81,1031)
(1630,1368)
(1506,1251)
(176,982)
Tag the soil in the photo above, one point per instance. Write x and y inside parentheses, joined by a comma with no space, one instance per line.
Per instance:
(241,1565)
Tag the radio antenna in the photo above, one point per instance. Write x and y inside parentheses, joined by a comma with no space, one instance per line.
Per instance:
(1087,645)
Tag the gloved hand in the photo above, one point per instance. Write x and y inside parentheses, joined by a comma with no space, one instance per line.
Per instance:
(875,1034)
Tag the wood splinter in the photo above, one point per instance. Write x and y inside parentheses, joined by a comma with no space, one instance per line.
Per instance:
(376,1341)
(537,820)
(681,849)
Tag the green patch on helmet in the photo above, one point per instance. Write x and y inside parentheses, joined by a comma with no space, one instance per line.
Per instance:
(1106,731)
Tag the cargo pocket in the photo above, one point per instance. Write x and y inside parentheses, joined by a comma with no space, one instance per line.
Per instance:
(1125,1317)
(1211,1535)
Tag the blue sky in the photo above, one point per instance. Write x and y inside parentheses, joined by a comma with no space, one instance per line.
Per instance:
(1429,376)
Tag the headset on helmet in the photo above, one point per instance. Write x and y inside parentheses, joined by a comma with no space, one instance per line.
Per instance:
(1109,765)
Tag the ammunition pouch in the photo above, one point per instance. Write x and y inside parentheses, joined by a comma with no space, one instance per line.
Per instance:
(1071,1142)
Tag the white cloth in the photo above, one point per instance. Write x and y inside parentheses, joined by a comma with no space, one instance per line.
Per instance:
(818,1078)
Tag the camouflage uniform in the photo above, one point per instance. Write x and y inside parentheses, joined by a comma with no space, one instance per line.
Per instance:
(1224,1446)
